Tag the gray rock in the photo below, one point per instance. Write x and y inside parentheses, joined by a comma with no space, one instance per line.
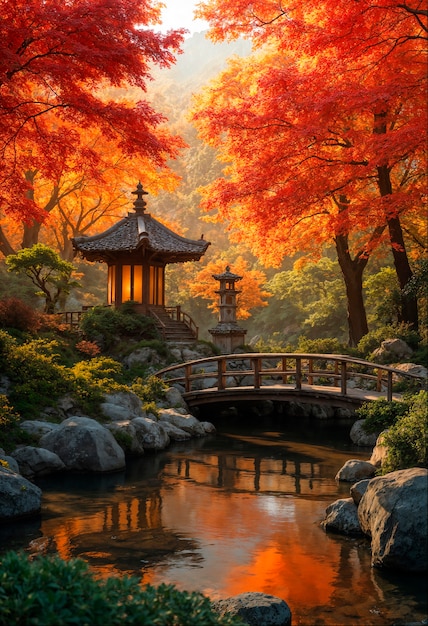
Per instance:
(18,496)
(355,470)
(11,463)
(380,451)
(37,461)
(393,512)
(174,399)
(151,434)
(358,490)
(410,368)
(208,427)
(175,433)
(360,437)
(342,517)
(186,422)
(37,428)
(392,349)
(121,405)
(142,356)
(126,436)
(84,445)
(255,609)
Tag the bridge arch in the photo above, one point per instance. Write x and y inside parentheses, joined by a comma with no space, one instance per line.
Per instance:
(334,379)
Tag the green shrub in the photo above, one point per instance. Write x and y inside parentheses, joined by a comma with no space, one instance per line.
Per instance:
(49,591)
(149,389)
(327,345)
(36,376)
(407,439)
(380,414)
(94,378)
(10,432)
(104,325)
(374,338)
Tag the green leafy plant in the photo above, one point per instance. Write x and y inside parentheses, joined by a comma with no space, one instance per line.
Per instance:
(11,433)
(94,378)
(49,591)
(407,439)
(380,414)
(47,271)
(104,325)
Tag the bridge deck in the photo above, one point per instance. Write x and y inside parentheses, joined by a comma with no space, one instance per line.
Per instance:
(281,392)
(287,376)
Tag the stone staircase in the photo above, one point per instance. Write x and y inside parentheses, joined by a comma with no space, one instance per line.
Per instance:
(174,325)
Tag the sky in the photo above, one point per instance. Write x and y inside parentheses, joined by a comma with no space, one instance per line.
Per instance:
(179,14)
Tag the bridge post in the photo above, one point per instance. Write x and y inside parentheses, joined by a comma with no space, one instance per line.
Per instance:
(389,387)
(298,373)
(256,366)
(284,370)
(343,378)
(188,384)
(310,370)
(221,369)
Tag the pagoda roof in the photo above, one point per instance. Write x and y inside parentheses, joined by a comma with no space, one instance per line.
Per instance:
(140,231)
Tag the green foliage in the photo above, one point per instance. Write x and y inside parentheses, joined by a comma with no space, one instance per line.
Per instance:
(49,591)
(47,271)
(308,300)
(326,345)
(10,432)
(105,324)
(94,378)
(374,338)
(38,379)
(407,439)
(380,414)
(149,389)
(383,299)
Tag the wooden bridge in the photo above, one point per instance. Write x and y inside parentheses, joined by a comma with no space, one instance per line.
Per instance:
(333,379)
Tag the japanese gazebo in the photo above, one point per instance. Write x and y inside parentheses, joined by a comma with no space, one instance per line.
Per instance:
(137,250)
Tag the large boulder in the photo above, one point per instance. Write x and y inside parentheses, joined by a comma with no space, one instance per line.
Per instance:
(355,470)
(359,436)
(121,406)
(37,428)
(150,434)
(18,497)
(392,350)
(185,421)
(393,512)
(342,517)
(85,446)
(125,434)
(37,461)
(255,609)
(380,451)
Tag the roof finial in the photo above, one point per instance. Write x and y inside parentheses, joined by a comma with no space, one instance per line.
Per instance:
(140,204)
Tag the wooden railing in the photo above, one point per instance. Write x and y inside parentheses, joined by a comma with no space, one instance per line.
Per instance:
(175,313)
(256,370)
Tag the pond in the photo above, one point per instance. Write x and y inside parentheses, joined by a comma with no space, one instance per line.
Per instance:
(233,512)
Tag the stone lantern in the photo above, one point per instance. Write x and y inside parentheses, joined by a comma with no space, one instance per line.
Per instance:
(227,335)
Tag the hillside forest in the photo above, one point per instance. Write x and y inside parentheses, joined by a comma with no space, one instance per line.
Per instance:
(293,138)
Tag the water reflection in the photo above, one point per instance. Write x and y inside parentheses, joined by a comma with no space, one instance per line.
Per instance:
(235,512)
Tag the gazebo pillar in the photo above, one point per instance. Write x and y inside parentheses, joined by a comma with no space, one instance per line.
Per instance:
(227,335)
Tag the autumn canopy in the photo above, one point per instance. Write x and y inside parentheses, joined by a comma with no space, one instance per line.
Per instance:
(322,130)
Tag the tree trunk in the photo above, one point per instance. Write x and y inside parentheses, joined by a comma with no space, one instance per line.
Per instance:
(5,247)
(352,271)
(409,305)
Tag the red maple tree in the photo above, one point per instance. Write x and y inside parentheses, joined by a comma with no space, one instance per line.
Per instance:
(323,130)
(57,61)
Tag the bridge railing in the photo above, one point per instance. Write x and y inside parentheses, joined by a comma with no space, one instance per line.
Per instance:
(257,369)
